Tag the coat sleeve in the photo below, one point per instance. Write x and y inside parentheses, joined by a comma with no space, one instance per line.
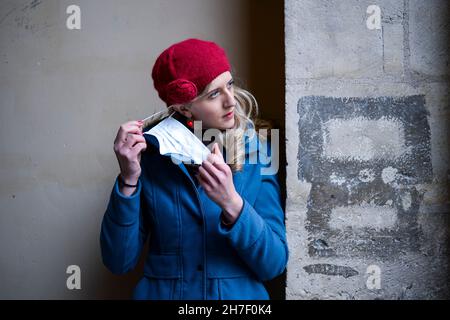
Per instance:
(259,233)
(123,230)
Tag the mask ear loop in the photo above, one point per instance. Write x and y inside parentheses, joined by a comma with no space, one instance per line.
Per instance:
(151,116)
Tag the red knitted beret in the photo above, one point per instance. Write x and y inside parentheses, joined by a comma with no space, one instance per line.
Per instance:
(182,71)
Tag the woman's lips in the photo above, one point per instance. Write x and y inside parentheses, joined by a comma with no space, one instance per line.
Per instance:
(229,115)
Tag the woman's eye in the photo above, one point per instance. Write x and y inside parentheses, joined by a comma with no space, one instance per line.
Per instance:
(213,95)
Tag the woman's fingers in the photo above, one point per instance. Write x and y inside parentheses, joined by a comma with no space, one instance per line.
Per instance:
(217,161)
(222,167)
(213,171)
(133,139)
(213,158)
(201,180)
(128,127)
(204,183)
(215,155)
(128,144)
(218,154)
(207,177)
(138,148)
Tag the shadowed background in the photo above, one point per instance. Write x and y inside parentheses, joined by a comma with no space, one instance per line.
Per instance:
(64,94)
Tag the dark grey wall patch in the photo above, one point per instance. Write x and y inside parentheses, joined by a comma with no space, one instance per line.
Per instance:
(363,157)
(331,270)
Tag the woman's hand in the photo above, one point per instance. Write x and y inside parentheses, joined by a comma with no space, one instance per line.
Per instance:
(128,145)
(215,176)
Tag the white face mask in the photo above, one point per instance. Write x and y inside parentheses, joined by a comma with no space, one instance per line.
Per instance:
(177,141)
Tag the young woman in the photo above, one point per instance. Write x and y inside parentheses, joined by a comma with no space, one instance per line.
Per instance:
(214,233)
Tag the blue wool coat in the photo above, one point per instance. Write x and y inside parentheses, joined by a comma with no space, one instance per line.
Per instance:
(191,254)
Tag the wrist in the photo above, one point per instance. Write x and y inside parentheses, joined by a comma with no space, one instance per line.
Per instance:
(128,181)
(232,210)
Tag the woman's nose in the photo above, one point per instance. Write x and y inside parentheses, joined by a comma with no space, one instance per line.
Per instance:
(229,101)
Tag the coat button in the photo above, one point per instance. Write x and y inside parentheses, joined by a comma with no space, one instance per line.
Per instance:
(199,267)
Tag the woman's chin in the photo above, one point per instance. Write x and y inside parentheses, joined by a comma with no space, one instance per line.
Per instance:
(223,125)
(229,124)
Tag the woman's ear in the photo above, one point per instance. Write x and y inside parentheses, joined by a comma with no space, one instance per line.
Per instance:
(184,110)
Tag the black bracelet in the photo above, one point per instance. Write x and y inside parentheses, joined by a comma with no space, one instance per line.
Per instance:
(222,220)
(126,184)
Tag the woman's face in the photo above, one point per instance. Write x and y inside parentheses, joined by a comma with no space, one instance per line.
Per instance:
(215,107)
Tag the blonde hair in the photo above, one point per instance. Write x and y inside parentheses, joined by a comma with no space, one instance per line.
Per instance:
(246,120)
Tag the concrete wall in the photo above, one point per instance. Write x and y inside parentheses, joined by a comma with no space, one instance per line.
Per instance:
(367,115)
(366,135)
(63,95)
